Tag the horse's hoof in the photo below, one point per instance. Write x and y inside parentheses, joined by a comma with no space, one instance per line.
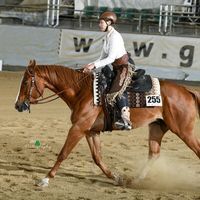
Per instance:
(43,183)
(119,181)
(140,177)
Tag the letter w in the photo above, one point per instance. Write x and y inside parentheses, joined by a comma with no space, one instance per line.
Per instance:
(81,44)
(143,47)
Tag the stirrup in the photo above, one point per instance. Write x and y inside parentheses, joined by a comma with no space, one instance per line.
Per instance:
(122,126)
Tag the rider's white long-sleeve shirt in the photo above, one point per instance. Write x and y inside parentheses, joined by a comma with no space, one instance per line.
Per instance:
(113,48)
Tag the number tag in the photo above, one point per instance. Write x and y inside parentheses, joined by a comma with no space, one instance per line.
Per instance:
(153,100)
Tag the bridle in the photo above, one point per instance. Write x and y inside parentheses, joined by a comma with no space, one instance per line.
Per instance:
(34,85)
(49,98)
(42,100)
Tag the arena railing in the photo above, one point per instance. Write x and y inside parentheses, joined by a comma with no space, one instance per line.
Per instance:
(168,19)
(172,16)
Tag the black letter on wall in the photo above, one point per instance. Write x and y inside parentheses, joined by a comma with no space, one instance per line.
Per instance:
(83,44)
(188,57)
(142,47)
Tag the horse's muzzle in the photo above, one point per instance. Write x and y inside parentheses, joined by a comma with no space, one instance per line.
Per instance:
(22,106)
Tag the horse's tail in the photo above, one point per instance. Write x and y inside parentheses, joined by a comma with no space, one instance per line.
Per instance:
(196,95)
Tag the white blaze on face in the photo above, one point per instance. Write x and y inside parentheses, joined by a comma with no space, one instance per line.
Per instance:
(19,89)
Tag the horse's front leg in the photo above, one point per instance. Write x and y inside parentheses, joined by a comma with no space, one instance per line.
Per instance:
(94,143)
(74,136)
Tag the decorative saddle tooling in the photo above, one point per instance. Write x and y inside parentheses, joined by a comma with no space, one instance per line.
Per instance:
(143,91)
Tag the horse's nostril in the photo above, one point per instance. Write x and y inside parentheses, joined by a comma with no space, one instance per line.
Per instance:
(16,106)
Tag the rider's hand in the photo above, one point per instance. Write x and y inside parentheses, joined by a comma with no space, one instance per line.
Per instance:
(88,68)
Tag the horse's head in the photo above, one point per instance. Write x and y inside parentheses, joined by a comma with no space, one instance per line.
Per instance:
(31,88)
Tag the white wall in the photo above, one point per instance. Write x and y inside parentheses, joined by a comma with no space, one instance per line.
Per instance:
(19,44)
(161,56)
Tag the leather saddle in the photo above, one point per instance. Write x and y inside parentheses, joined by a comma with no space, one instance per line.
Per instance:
(140,82)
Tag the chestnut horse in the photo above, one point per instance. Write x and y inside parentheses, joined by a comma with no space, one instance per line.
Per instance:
(178,113)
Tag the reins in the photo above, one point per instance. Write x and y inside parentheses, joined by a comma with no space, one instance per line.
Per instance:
(42,101)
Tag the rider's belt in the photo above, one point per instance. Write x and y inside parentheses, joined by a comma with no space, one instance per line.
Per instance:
(121,62)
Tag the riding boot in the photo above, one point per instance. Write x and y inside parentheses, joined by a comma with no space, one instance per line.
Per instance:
(124,123)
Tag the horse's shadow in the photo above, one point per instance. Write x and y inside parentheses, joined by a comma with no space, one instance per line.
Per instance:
(101,180)
(127,182)
(88,178)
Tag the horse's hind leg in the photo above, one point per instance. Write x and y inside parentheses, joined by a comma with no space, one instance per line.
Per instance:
(94,143)
(194,143)
(156,133)
(191,140)
(184,129)
(180,117)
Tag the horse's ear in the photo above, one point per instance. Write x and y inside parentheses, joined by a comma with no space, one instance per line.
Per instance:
(32,63)
(31,66)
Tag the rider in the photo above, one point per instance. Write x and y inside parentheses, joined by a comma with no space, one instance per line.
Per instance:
(114,53)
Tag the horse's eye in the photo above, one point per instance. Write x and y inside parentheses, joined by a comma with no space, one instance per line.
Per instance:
(25,82)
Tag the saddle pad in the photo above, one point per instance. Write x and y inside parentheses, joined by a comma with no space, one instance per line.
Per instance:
(138,100)
(155,87)
(96,91)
